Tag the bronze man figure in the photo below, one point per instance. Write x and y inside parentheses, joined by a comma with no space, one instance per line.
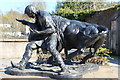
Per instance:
(47,26)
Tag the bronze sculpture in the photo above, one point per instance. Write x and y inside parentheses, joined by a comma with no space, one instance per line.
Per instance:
(49,31)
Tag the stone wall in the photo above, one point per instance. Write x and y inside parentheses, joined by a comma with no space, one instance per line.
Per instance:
(118,32)
(115,35)
(12,48)
(104,17)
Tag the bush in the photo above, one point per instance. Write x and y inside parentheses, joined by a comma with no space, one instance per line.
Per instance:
(102,57)
(104,52)
(81,16)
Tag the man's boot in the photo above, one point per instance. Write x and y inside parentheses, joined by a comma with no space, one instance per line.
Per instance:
(62,65)
(19,65)
(26,56)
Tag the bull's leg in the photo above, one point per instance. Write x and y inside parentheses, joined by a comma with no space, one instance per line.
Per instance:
(96,46)
(100,42)
(66,53)
(26,56)
(91,41)
(87,57)
(73,54)
(66,56)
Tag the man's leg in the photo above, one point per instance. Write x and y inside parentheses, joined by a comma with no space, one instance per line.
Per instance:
(52,44)
(27,55)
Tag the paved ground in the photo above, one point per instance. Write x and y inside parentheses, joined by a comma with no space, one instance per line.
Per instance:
(109,71)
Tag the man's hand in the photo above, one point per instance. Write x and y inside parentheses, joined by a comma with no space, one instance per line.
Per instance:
(34,31)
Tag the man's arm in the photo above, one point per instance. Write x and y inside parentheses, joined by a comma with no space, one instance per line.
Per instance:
(46,31)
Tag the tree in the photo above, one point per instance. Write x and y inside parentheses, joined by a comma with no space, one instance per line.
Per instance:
(10,18)
(80,10)
(39,4)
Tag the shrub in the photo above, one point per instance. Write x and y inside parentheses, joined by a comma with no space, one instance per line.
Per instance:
(104,52)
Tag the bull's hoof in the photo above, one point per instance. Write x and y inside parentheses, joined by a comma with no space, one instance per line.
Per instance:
(68,62)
